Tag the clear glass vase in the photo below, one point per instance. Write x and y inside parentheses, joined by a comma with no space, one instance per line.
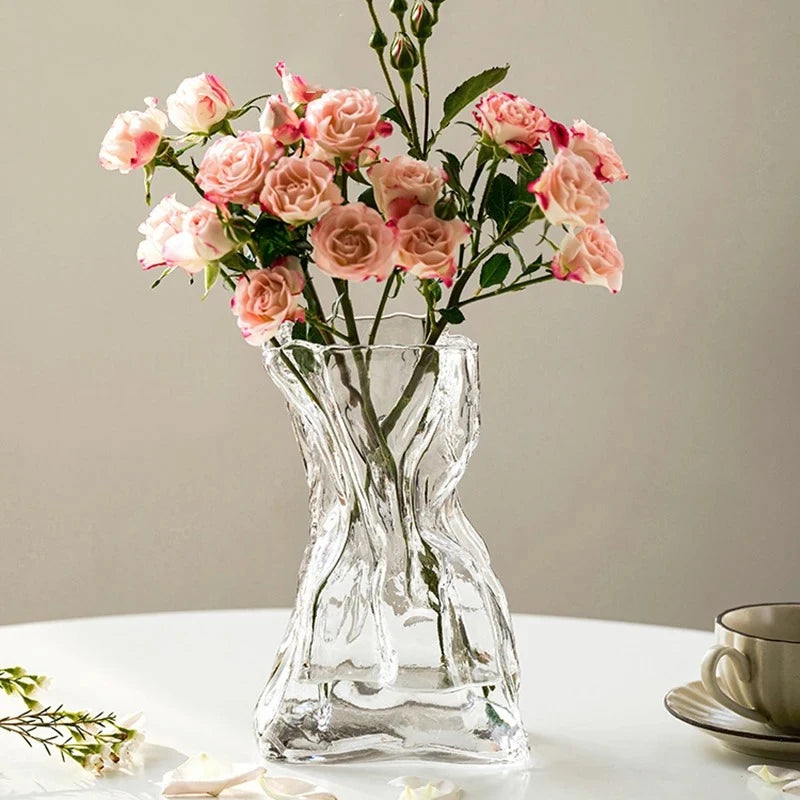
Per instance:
(400,644)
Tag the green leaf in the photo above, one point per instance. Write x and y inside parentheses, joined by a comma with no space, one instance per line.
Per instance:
(211,275)
(470,90)
(394,115)
(452,166)
(530,167)
(502,192)
(494,270)
(452,315)
(368,198)
(272,239)
(314,334)
(161,277)
(400,278)
(304,360)
(533,266)
(299,330)
(149,171)
(517,215)
(485,154)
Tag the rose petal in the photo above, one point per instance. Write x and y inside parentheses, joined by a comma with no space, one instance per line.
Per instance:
(415,788)
(771,774)
(292,788)
(204,775)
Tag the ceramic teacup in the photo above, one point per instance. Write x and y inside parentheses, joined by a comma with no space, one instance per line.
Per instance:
(754,669)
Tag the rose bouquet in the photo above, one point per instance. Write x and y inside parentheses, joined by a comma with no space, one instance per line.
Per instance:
(309,196)
(401,642)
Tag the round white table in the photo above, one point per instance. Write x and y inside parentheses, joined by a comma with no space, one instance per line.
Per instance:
(592,701)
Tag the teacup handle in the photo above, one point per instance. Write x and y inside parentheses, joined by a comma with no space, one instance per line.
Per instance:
(741,663)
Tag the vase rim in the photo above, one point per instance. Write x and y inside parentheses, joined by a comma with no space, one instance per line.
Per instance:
(447,342)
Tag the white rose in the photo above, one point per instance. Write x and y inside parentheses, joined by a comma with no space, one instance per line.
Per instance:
(198,104)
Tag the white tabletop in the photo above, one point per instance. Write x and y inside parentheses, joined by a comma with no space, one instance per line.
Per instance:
(592,701)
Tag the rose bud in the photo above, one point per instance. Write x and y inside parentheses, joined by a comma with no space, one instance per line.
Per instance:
(403,55)
(422,21)
(446,207)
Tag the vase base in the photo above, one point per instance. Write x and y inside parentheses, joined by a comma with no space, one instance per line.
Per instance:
(350,721)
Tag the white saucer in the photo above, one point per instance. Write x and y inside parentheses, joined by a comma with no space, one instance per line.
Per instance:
(691,704)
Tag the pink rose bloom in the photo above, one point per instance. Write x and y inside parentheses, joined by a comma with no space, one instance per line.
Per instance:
(353,242)
(427,245)
(133,138)
(343,121)
(598,150)
(234,168)
(298,91)
(404,182)
(512,122)
(590,256)
(163,222)
(568,192)
(266,298)
(201,239)
(198,104)
(279,121)
(298,190)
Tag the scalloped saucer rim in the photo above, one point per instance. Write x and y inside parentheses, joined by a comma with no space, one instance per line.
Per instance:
(690,703)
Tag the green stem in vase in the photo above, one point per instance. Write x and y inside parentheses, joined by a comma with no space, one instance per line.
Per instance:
(387,290)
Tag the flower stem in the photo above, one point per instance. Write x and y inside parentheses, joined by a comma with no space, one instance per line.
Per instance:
(381,306)
(426,87)
(173,162)
(385,69)
(413,116)
(512,287)
(347,309)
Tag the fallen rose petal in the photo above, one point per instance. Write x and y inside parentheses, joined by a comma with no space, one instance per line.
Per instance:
(771,774)
(415,788)
(204,775)
(292,789)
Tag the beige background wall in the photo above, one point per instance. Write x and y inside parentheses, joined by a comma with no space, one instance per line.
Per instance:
(640,453)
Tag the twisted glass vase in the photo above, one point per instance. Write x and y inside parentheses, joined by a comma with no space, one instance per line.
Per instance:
(400,644)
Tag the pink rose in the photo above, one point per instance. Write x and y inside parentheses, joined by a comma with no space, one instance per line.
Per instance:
(568,192)
(298,91)
(280,121)
(427,245)
(198,104)
(353,242)
(598,150)
(163,222)
(404,182)
(201,239)
(343,121)
(298,190)
(133,138)
(590,256)
(512,122)
(266,298)
(234,167)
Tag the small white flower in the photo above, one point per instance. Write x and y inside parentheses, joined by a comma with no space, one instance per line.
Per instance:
(421,789)
(292,789)
(204,775)
(127,750)
(94,762)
